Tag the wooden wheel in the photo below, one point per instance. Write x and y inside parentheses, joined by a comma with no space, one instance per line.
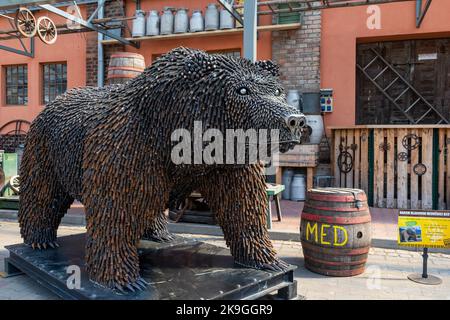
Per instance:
(14,184)
(46,30)
(25,22)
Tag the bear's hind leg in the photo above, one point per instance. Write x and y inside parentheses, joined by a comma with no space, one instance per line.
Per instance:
(43,203)
(157,229)
(113,234)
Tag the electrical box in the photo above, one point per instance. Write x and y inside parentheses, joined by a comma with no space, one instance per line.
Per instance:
(326,100)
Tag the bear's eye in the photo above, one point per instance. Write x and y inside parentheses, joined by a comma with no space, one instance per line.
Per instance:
(243,91)
(277,92)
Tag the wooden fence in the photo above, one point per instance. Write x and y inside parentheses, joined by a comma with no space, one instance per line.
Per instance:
(397,166)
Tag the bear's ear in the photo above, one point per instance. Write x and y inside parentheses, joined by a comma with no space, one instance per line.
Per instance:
(199,65)
(268,65)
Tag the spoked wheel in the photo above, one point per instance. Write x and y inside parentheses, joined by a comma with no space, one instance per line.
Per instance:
(46,30)
(25,22)
(14,184)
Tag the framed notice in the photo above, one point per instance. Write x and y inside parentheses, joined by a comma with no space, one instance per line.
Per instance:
(422,228)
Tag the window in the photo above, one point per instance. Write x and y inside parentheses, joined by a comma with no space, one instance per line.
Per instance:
(16,85)
(54,81)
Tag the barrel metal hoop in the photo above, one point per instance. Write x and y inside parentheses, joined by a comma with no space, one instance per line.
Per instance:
(335,273)
(337,263)
(334,219)
(334,198)
(126,69)
(334,251)
(126,55)
(335,209)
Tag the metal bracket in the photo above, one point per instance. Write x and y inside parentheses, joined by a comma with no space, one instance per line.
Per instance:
(87,24)
(100,5)
(421,12)
(24,52)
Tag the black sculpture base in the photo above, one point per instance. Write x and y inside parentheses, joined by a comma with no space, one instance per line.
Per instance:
(182,269)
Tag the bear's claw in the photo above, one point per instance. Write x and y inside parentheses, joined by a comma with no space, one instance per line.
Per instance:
(158,236)
(132,287)
(44,245)
(277,265)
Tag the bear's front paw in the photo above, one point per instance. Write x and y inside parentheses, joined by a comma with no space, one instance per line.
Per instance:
(43,245)
(275,265)
(161,236)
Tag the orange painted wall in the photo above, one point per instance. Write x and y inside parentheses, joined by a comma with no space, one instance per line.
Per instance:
(343,28)
(70,48)
(213,43)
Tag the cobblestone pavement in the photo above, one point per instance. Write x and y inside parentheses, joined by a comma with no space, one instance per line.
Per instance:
(385,276)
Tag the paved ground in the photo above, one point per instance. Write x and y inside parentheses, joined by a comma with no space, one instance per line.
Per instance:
(385,277)
(384,221)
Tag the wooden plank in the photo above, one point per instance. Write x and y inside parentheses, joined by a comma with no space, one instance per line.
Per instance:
(357,159)
(390,168)
(378,168)
(337,172)
(309,177)
(349,175)
(402,173)
(278,175)
(364,160)
(427,160)
(441,171)
(447,195)
(414,178)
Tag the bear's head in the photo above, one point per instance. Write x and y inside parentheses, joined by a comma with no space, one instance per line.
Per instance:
(224,92)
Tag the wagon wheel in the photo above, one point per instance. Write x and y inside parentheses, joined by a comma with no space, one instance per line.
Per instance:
(25,22)
(46,30)
(14,184)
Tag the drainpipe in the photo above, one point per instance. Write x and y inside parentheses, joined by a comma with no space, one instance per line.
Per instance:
(418,11)
(100,60)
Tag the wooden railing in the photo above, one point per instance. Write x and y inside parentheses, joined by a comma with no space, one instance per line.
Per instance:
(398,166)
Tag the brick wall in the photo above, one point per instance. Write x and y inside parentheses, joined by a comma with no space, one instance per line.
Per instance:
(298,53)
(9,142)
(113,8)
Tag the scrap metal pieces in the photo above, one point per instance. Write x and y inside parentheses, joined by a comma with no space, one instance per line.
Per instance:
(420,169)
(345,162)
(384,146)
(411,141)
(110,148)
(402,156)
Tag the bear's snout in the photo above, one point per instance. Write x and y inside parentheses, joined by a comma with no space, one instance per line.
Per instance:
(295,121)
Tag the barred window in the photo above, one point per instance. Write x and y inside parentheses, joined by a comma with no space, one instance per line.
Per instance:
(54,81)
(16,84)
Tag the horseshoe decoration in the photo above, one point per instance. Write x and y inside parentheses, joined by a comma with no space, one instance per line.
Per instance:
(411,141)
(345,162)
(420,169)
(46,30)
(25,22)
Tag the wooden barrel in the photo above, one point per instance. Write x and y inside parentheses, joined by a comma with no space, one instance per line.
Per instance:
(335,231)
(124,66)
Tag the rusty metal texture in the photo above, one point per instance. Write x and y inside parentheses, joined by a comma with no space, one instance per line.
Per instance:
(110,148)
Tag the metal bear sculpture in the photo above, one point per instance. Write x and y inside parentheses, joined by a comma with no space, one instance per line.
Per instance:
(110,148)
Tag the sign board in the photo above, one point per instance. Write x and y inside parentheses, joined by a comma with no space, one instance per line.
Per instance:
(427,56)
(422,228)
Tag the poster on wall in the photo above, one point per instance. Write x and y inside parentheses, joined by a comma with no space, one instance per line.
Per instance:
(422,228)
